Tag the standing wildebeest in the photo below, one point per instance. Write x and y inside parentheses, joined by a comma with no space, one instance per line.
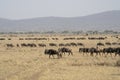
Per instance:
(92,51)
(108,50)
(117,51)
(52,52)
(84,50)
(65,50)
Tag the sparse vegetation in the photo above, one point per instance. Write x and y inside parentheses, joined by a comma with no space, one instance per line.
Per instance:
(118,63)
(28,62)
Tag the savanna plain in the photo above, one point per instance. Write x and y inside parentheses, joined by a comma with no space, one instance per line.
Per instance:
(30,63)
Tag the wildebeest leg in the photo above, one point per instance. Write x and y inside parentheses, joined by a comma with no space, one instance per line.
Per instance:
(83,53)
(119,54)
(111,54)
(96,54)
(115,54)
(49,56)
(100,53)
(91,53)
(68,53)
(60,55)
(53,56)
(71,53)
(106,54)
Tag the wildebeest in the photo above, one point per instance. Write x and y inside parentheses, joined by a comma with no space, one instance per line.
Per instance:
(100,44)
(65,50)
(108,43)
(52,52)
(108,50)
(52,44)
(73,44)
(80,44)
(41,45)
(2,38)
(117,51)
(61,44)
(94,50)
(9,45)
(84,50)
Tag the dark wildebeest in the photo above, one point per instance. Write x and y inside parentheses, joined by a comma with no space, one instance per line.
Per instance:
(84,50)
(108,50)
(117,51)
(52,44)
(61,44)
(9,45)
(41,45)
(80,44)
(52,52)
(108,43)
(100,44)
(94,50)
(73,44)
(65,50)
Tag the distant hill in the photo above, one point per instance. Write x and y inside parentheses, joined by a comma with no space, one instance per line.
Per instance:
(109,20)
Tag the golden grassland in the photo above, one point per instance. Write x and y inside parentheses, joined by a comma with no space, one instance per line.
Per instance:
(25,63)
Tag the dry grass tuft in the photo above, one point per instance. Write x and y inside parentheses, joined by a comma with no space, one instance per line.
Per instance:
(118,63)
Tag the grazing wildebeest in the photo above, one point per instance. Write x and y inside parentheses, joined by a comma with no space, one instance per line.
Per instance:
(24,45)
(114,43)
(65,50)
(73,44)
(82,38)
(100,44)
(2,38)
(41,45)
(9,45)
(61,44)
(108,43)
(67,44)
(32,45)
(80,44)
(52,52)
(52,44)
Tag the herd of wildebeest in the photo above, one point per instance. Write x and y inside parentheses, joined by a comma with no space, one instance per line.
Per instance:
(63,47)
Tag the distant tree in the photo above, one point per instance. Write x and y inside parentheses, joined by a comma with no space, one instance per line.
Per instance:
(65,32)
(108,31)
(95,32)
(78,32)
(89,32)
(50,32)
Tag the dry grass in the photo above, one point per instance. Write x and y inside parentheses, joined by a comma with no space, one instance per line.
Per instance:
(32,64)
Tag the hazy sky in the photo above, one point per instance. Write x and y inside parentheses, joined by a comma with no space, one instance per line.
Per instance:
(19,9)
